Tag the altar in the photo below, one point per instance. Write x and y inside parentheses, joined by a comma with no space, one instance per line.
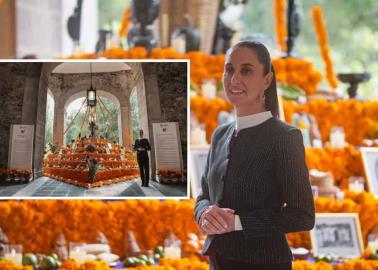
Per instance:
(91,162)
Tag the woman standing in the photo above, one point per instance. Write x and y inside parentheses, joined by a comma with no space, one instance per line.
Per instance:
(255,187)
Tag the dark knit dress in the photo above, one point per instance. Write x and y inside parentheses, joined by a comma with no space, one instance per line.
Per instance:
(260,173)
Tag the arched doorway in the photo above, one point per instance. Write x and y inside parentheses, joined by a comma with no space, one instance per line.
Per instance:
(108,117)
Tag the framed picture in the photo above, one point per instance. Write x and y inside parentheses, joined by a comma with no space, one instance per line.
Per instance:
(370,160)
(337,234)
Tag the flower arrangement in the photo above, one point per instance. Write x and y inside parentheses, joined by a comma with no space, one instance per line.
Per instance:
(280,23)
(22,221)
(207,111)
(88,265)
(357,264)
(322,37)
(341,162)
(359,119)
(8,265)
(298,72)
(126,23)
(57,216)
(12,174)
(305,265)
(195,264)
(202,66)
(166,175)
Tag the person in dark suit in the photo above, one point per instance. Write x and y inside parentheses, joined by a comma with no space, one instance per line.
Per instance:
(255,187)
(142,146)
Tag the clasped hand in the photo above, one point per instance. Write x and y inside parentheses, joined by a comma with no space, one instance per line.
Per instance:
(216,220)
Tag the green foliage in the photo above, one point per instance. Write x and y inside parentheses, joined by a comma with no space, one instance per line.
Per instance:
(111,11)
(352,34)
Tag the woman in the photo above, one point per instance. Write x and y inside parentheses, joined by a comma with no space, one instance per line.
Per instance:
(255,187)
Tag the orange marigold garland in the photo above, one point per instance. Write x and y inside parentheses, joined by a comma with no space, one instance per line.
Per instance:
(8,265)
(126,23)
(322,37)
(280,23)
(341,162)
(297,72)
(22,220)
(150,220)
(202,66)
(88,265)
(359,119)
(207,111)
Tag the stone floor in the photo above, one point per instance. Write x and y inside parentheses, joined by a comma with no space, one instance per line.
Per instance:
(47,187)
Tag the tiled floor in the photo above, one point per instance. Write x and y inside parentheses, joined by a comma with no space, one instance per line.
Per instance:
(47,187)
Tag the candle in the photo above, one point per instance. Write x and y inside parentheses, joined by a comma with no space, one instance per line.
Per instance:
(373,245)
(198,136)
(77,252)
(164,30)
(209,89)
(78,255)
(15,254)
(179,44)
(340,195)
(356,186)
(172,252)
(316,143)
(337,137)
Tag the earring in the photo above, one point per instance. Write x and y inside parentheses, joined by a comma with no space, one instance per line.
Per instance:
(263,98)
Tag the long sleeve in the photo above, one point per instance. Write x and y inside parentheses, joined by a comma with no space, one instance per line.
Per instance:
(203,199)
(148,146)
(136,145)
(297,212)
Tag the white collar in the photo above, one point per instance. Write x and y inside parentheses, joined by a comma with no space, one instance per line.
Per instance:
(252,120)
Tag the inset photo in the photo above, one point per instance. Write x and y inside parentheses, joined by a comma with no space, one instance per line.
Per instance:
(94,129)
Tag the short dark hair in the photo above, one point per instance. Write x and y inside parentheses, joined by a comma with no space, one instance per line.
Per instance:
(271,98)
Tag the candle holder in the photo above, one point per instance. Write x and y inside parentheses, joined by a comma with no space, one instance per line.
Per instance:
(353,79)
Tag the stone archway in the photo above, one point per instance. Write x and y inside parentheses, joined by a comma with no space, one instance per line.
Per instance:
(123,119)
(158,87)
(114,85)
(118,84)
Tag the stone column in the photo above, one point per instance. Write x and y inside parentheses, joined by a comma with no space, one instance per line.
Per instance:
(151,90)
(40,123)
(58,136)
(125,127)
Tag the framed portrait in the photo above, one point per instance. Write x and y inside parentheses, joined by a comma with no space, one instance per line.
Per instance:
(370,160)
(337,234)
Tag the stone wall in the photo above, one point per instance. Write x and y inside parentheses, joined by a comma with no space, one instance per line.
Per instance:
(162,91)
(19,90)
(172,84)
